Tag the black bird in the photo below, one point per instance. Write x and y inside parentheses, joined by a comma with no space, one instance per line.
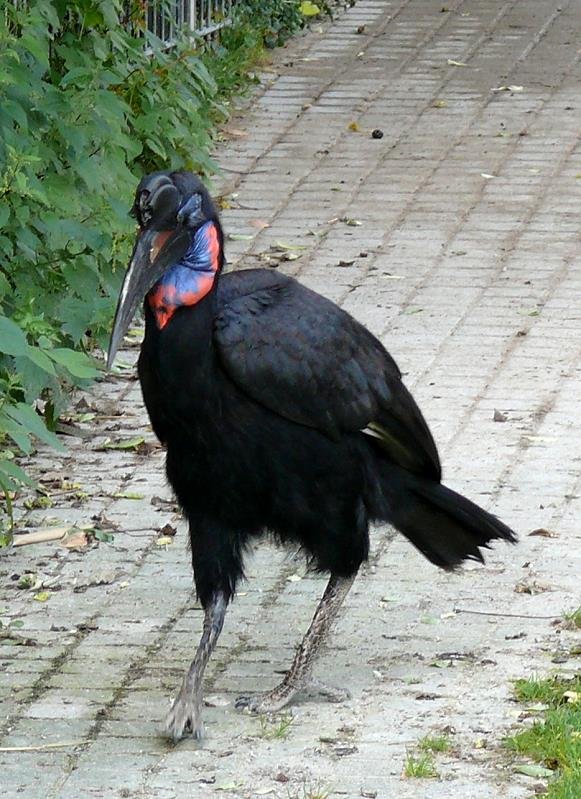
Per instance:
(280,413)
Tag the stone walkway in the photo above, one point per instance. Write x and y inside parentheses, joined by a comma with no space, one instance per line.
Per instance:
(453,237)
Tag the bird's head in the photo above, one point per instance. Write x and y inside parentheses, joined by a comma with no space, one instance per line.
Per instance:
(170,209)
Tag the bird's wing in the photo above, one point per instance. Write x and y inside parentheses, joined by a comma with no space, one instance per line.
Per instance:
(303,357)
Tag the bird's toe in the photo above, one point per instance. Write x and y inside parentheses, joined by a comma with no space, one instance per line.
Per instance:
(246,702)
(269,702)
(183,719)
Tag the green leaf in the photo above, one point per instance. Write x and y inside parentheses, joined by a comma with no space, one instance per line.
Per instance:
(534,771)
(38,357)
(24,415)
(77,363)
(104,536)
(309,9)
(15,473)
(128,443)
(17,432)
(12,339)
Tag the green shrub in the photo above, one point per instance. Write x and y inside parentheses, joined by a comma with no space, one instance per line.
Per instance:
(89,101)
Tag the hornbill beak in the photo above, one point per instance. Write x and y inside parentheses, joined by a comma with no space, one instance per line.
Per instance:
(154,252)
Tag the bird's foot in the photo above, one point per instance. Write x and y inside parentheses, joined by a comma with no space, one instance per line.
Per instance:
(283,694)
(184,718)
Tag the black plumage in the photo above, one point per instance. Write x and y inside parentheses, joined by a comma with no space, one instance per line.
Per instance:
(280,413)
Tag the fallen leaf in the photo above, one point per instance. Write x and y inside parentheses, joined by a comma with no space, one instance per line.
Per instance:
(103,536)
(534,771)
(543,533)
(439,104)
(354,127)
(350,221)
(294,578)
(259,224)
(127,495)
(235,133)
(453,63)
(27,580)
(75,540)
(282,245)
(531,587)
(124,444)
(164,541)
(486,176)
(572,696)
(240,236)
(508,89)
(42,596)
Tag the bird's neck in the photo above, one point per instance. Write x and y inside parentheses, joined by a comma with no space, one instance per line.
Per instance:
(191,279)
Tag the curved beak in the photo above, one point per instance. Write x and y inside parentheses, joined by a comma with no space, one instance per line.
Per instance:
(154,252)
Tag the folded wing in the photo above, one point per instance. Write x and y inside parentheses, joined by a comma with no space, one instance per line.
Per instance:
(303,357)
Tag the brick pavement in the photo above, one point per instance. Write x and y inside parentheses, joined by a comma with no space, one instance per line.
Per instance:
(464,264)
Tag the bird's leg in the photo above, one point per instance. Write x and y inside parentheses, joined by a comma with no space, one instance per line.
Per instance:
(298,677)
(186,711)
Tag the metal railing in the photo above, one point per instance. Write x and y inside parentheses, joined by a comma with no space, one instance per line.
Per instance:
(202,17)
(164,18)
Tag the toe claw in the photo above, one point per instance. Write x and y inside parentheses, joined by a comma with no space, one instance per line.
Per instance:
(245,703)
(184,718)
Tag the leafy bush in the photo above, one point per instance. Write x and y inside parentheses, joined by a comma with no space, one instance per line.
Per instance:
(89,100)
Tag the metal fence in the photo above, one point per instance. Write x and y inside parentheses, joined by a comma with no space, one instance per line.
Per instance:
(203,17)
(164,18)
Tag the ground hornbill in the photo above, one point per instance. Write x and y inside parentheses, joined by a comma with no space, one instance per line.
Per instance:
(280,413)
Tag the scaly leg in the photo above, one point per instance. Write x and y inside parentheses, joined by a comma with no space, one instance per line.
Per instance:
(186,711)
(298,678)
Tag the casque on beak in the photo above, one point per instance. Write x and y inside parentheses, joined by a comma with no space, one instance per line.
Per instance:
(154,252)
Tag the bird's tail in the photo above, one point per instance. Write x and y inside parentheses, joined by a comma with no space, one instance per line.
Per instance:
(445,526)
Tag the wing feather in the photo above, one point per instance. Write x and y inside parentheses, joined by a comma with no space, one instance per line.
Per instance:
(300,355)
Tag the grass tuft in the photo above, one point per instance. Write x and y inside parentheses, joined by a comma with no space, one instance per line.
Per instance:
(573,619)
(555,739)
(420,766)
(435,743)
(276,730)
(549,691)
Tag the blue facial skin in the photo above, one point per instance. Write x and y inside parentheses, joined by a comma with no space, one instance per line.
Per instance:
(190,279)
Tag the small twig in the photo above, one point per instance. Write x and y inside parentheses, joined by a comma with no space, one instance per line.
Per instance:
(41,536)
(42,747)
(507,615)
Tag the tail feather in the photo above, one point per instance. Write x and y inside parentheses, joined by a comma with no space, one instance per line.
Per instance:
(445,526)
